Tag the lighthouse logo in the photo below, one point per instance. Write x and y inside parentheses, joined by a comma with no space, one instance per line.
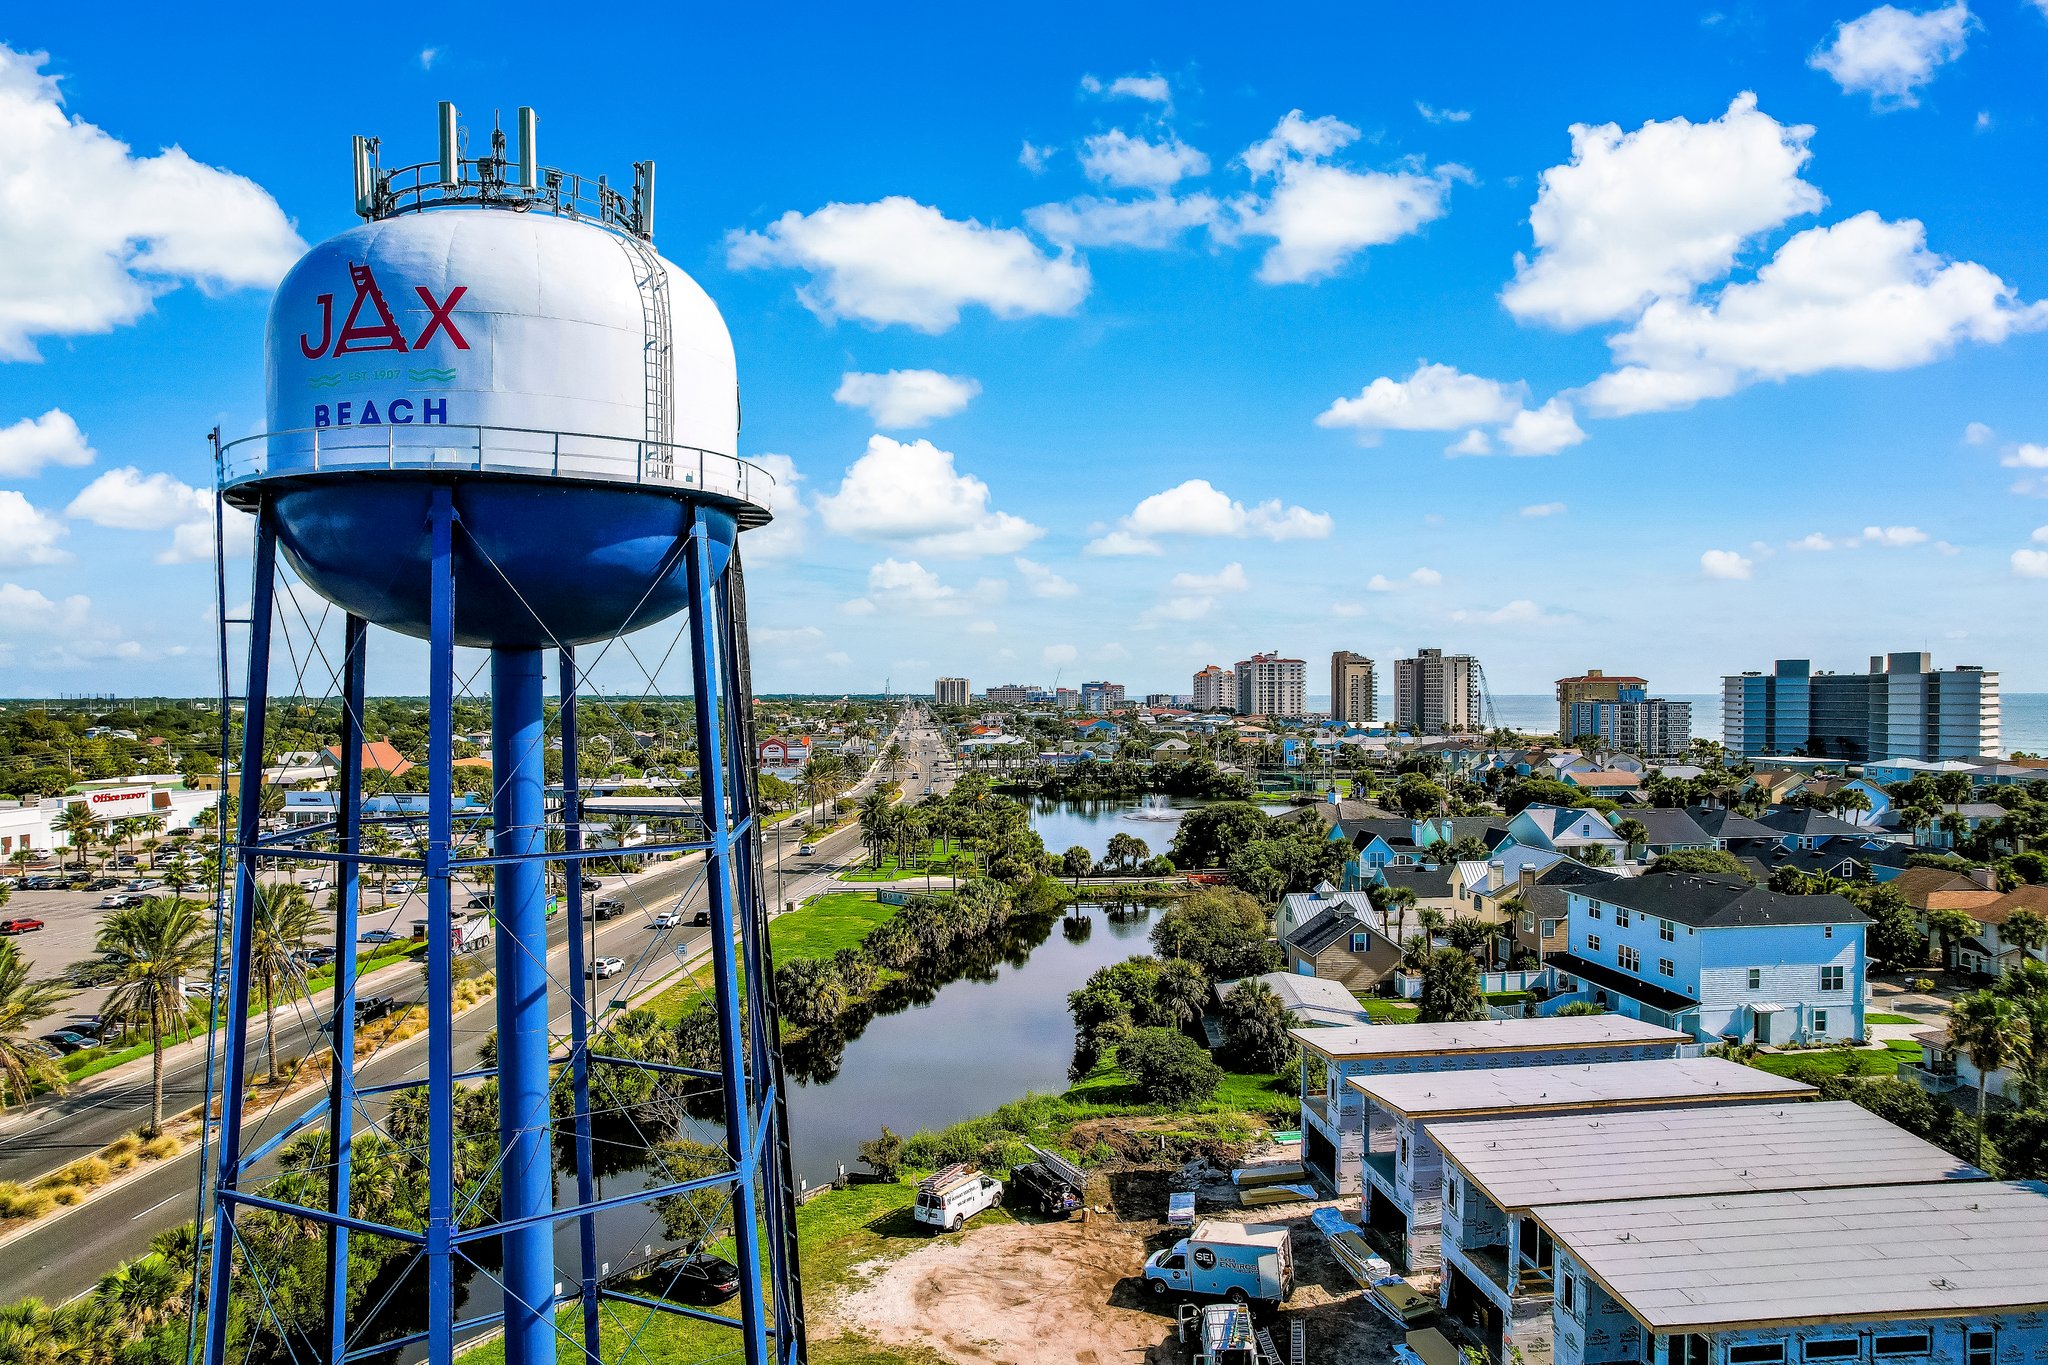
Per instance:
(370,326)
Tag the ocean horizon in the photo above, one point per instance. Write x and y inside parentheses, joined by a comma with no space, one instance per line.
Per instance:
(2023,723)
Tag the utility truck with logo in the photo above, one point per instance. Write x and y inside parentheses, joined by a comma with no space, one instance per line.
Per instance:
(948,1199)
(1238,1261)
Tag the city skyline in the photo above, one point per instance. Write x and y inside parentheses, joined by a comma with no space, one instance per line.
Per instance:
(1030,427)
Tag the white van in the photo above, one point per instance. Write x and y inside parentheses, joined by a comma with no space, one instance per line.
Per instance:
(1241,1261)
(947,1200)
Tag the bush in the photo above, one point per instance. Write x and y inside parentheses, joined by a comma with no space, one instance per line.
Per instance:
(1225,933)
(159,1148)
(1923,984)
(1257,1025)
(87,1171)
(16,1202)
(1168,1067)
(883,1155)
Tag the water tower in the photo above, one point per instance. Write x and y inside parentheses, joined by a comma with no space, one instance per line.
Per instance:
(499,420)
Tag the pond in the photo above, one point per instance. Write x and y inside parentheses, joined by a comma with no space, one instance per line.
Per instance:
(1154,818)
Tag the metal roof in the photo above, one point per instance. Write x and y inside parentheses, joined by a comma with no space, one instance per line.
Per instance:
(1670,1153)
(1815,1256)
(1486,1035)
(1578,1086)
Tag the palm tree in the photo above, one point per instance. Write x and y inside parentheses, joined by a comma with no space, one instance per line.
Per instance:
(1635,832)
(285,923)
(122,835)
(2024,929)
(80,827)
(1994,1033)
(157,944)
(1394,902)
(1948,928)
(22,1002)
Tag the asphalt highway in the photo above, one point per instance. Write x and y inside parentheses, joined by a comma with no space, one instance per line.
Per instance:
(64,1255)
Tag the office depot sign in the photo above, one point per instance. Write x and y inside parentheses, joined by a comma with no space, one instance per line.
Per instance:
(118,805)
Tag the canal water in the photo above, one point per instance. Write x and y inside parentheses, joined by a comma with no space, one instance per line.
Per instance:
(1153,818)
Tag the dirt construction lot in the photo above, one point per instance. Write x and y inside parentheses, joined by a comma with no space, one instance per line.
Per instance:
(1071,1293)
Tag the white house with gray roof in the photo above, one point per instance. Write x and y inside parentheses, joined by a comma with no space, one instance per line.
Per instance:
(1499,1265)
(1941,1274)
(1404,1168)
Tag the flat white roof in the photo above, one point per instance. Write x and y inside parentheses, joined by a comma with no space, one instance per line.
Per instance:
(1577,1086)
(1246,1234)
(1487,1035)
(1815,1256)
(1668,1153)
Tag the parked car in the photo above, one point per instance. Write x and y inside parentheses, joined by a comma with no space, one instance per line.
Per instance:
(667,919)
(19,926)
(377,936)
(145,884)
(705,1279)
(43,882)
(316,884)
(605,966)
(120,900)
(64,1040)
(948,1199)
(194,989)
(320,957)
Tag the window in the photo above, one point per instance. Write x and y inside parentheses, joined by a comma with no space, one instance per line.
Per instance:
(1666,930)
(1983,1347)
(1756,978)
(1666,967)
(1629,958)
(1827,931)
(1902,1344)
(1568,1292)
(1832,1348)
(1592,943)
(1757,1353)
(1358,943)
(1592,909)
(1820,1021)
(1622,918)
(1687,1348)
(1831,978)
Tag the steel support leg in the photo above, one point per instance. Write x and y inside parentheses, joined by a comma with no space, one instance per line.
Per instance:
(227,1176)
(440,931)
(341,1092)
(707,645)
(519,826)
(581,988)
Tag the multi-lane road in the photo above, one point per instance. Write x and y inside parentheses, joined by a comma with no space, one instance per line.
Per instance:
(64,1255)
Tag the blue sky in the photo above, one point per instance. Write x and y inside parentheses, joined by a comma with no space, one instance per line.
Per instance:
(1756,366)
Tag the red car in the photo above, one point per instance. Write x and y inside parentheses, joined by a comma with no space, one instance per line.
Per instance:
(19,926)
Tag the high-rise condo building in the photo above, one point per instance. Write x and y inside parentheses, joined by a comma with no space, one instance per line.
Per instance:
(1354,687)
(1215,689)
(1013,694)
(1435,692)
(950,692)
(1101,697)
(1268,685)
(1902,708)
(1592,686)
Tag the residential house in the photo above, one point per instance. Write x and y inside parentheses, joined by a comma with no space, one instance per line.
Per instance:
(1609,782)
(1726,827)
(1717,957)
(1499,1267)
(1937,833)
(1403,1116)
(1984,952)
(1484,885)
(379,756)
(1332,1139)
(1565,829)
(1936,1274)
(1856,860)
(1297,908)
(1542,921)
(1345,946)
(1670,830)
(1805,827)
(1311,1001)
(1431,885)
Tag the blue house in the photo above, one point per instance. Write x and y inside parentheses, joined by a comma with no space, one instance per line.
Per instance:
(1565,829)
(1717,958)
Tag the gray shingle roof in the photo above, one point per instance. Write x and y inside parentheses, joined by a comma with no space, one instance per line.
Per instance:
(1720,902)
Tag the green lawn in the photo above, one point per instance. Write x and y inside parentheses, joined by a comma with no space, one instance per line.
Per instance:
(822,925)
(1388,1011)
(1241,1091)
(1897,1019)
(1832,1061)
(938,862)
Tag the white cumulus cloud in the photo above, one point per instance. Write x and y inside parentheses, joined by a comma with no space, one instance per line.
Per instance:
(1151,221)
(1041,581)
(94,234)
(28,535)
(1544,509)
(2030,563)
(908,588)
(1153,88)
(1193,595)
(31,613)
(1890,53)
(1033,158)
(783,537)
(1442,115)
(1977,434)
(1655,212)
(1197,507)
(1861,294)
(33,443)
(906,398)
(899,261)
(1433,398)
(1894,537)
(1319,215)
(1419,578)
(129,500)
(2027,455)
(913,494)
(1126,162)
(1542,431)
(1726,564)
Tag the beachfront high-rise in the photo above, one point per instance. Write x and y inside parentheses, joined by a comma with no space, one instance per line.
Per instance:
(1215,689)
(1435,692)
(1902,707)
(950,692)
(1619,711)
(1354,687)
(1269,685)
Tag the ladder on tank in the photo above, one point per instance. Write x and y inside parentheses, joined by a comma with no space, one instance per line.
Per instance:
(658,459)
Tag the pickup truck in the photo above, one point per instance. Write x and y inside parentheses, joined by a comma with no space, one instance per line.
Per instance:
(947,1200)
